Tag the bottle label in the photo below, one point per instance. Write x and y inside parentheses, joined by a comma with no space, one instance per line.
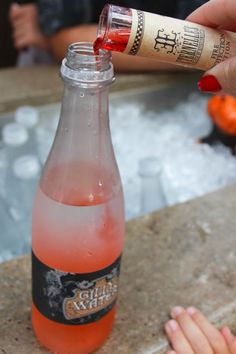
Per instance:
(180,42)
(72,298)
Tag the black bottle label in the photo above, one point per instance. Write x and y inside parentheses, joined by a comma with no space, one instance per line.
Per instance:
(72,298)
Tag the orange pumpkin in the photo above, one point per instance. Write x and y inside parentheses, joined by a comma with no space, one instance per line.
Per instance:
(222,110)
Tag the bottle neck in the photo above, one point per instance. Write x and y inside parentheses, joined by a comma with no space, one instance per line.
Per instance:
(81,163)
(81,168)
(83,132)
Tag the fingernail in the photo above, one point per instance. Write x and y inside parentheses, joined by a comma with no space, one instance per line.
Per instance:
(171,326)
(176,311)
(209,83)
(191,311)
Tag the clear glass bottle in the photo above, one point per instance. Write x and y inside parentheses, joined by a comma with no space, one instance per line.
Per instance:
(78,216)
(163,38)
(15,141)
(28,117)
(152,194)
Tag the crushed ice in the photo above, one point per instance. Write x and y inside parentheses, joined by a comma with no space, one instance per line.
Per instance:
(186,169)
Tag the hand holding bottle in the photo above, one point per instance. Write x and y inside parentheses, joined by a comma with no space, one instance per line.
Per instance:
(219,14)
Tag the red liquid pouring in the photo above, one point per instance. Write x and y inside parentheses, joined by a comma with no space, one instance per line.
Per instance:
(115,40)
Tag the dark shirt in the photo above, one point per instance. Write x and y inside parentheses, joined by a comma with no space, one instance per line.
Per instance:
(57,14)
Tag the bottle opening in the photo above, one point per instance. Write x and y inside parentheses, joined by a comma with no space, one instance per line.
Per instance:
(83,65)
(114,28)
(81,55)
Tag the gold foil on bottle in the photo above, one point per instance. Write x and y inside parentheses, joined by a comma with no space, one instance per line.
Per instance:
(179,42)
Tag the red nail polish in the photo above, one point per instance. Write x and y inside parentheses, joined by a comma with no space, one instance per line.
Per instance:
(209,83)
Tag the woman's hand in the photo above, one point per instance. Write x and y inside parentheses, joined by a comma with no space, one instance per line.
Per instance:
(26,31)
(220,14)
(190,332)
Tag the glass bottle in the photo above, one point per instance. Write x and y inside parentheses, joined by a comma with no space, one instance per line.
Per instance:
(152,194)
(78,216)
(15,141)
(163,38)
(28,117)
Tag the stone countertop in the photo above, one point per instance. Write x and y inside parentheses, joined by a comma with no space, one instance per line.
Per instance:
(183,255)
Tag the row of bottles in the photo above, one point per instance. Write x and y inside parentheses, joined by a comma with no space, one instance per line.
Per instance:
(21,154)
(20,169)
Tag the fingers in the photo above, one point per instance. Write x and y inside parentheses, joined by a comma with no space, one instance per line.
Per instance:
(213,336)
(177,338)
(224,74)
(25,28)
(230,339)
(22,42)
(23,37)
(26,12)
(192,332)
(216,13)
(15,12)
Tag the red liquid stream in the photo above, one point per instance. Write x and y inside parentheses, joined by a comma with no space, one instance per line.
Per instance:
(115,40)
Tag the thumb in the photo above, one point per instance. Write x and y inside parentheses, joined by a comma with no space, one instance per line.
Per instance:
(221,77)
(230,339)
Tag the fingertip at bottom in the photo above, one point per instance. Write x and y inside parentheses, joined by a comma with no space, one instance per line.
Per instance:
(209,83)
(226,333)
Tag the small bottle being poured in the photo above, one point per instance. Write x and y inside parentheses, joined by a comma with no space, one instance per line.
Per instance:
(163,38)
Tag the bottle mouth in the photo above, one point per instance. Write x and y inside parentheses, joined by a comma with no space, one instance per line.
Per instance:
(82,64)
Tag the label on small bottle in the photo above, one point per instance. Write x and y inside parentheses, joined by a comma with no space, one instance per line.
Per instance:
(179,42)
(72,298)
